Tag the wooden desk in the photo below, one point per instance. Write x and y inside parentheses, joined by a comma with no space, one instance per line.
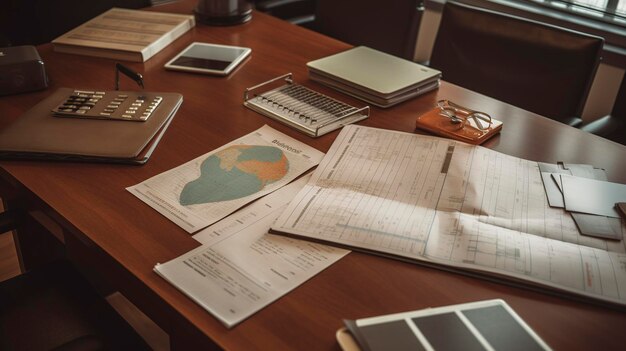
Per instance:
(119,238)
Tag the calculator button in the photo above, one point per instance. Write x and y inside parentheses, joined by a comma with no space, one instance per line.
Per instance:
(104,114)
(132,112)
(84,108)
(82,112)
(100,92)
(127,116)
(109,110)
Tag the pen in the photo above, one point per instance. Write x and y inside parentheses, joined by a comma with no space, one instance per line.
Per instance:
(137,77)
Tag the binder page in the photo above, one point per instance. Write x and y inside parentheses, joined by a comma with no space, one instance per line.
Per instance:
(208,188)
(240,268)
(447,202)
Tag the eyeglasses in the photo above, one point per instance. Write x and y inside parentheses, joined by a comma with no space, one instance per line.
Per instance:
(460,116)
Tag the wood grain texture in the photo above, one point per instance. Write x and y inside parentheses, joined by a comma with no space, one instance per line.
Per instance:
(123,238)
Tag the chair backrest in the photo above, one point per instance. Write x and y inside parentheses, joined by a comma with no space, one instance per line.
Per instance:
(612,126)
(541,68)
(388,26)
(619,108)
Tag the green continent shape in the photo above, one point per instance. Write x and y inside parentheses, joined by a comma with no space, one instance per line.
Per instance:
(254,168)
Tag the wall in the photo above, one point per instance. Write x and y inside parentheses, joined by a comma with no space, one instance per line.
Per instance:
(603,90)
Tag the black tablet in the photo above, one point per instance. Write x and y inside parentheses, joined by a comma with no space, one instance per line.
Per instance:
(208,58)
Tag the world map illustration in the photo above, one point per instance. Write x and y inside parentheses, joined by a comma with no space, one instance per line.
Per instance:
(235,172)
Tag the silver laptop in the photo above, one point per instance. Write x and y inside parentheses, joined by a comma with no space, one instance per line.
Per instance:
(379,78)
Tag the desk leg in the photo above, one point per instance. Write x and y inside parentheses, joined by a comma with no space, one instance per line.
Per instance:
(34,244)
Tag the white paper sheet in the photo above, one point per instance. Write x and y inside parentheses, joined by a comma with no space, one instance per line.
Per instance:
(208,188)
(592,196)
(450,203)
(240,268)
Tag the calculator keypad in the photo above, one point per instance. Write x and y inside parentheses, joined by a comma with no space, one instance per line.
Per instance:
(109,105)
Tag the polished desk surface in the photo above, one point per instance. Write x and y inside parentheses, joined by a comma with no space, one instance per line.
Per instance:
(125,238)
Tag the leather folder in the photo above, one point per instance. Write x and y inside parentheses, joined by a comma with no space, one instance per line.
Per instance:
(37,134)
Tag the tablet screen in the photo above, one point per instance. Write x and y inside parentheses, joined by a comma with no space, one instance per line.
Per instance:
(197,62)
(208,58)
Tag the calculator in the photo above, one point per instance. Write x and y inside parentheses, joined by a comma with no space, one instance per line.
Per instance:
(135,106)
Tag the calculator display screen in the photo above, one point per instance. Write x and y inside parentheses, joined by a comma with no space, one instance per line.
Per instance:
(204,63)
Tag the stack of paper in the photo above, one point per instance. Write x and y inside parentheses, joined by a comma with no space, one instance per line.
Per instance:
(585,192)
(373,76)
(240,268)
(452,205)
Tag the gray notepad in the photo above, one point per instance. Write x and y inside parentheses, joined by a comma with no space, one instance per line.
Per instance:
(37,134)
(376,77)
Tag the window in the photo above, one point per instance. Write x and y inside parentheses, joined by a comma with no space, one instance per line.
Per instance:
(605,18)
(609,11)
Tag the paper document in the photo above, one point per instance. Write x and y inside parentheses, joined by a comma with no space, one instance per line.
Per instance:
(592,196)
(446,202)
(208,188)
(593,225)
(240,268)
(548,171)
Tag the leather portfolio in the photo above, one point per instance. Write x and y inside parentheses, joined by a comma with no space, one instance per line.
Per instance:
(38,134)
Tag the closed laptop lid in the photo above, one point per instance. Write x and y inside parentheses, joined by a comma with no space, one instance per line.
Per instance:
(374,71)
(402,96)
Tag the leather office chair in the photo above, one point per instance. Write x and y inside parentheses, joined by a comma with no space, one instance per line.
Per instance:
(541,68)
(54,308)
(612,126)
(390,27)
